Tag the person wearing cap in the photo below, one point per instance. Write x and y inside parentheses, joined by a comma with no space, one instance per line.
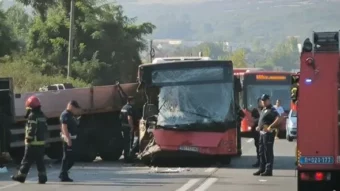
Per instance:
(69,124)
(255,114)
(128,120)
(267,121)
(36,128)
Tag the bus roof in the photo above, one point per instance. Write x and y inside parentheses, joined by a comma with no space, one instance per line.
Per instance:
(241,71)
(176,59)
(203,63)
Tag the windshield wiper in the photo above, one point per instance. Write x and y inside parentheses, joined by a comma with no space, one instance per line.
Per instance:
(201,115)
(198,114)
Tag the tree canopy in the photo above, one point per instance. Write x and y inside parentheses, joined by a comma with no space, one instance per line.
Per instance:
(106,48)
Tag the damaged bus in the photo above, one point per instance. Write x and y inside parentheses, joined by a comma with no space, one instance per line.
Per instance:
(190,110)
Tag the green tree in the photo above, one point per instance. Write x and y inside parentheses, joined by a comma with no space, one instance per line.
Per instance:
(285,55)
(106,41)
(239,58)
(19,22)
(7,43)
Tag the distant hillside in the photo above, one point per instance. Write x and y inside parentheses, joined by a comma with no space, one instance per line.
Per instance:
(240,20)
(234,21)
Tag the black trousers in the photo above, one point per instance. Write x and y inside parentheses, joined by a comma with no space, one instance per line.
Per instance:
(33,154)
(266,150)
(130,143)
(256,136)
(68,159)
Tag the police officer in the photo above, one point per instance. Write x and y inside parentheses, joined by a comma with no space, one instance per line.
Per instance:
(255,113)
(69,125)
(36,127)
(240,115)
(128,120)
(268,119)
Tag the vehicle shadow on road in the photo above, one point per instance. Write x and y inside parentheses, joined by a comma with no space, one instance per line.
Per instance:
(280,162)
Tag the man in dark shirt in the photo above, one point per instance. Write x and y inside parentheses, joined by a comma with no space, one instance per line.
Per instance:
(268,119)
(240,115)
(255,114)
(128,120)
(68,133)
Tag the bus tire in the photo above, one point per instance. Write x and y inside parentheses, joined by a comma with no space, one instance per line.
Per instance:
(224,160)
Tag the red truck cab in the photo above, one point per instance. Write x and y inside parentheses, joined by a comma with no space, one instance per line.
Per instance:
(319,115)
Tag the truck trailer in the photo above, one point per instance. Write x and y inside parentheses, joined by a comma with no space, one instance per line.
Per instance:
(99,132)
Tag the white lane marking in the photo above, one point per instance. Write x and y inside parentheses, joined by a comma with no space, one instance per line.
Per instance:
(211,169)
(206,184)
(262,180)
(30,179)
(250,140)
(189,184)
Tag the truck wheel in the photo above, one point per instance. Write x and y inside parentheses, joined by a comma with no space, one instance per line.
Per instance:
(90,155)
(111,156)
(17,154)
(55,151)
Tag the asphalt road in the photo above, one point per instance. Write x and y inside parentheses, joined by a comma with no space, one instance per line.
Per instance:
(116,176)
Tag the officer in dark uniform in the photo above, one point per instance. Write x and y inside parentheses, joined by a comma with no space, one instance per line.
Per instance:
(36,127)
(128,120)
(240,116)
(255,114)
(268,119)
(69,125)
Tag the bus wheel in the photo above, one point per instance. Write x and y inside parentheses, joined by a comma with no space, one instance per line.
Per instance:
(224,160)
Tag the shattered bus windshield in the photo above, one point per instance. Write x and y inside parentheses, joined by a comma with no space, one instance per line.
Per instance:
(194,96)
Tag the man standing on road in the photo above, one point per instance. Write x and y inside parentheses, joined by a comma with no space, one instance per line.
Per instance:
(255,114)
(281,111)
(36,128)
(268,119)
(128,119)
(68,133)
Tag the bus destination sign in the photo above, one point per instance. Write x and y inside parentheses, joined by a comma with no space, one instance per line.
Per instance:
(271,77)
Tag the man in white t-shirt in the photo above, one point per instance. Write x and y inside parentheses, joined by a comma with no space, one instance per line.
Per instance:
(278,107)
(280,110)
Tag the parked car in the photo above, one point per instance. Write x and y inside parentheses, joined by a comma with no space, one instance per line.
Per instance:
(291,125)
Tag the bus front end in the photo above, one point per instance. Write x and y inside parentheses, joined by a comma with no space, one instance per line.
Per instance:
(275,84)
(190,110)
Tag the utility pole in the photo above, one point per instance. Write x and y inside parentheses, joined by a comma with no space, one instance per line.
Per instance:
(152,51)
(70,40)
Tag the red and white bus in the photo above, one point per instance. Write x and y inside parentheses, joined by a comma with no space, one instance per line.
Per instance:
(258,82)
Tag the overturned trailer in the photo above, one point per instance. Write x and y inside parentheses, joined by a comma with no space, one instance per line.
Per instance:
(190,110)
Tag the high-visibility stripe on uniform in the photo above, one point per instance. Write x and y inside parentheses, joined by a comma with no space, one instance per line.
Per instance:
(32,121)
(36,143)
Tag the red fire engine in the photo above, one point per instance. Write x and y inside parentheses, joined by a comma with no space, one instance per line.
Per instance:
(318,142)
